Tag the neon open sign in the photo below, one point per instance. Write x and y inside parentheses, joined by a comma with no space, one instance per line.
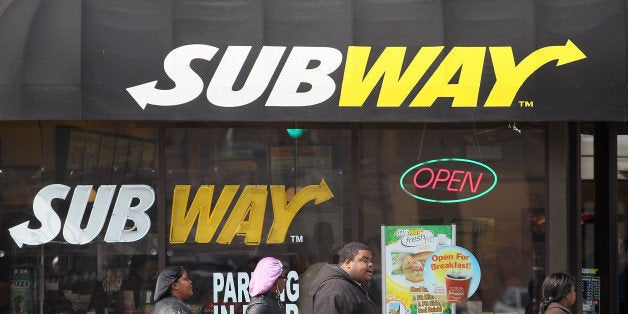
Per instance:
(448,180)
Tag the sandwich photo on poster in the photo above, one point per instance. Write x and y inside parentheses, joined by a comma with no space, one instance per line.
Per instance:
(406,252)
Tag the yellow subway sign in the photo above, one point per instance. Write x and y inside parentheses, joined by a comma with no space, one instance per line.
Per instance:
(246,217)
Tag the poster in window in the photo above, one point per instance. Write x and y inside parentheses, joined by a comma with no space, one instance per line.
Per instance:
(23,293)
(405,253)
(591,291)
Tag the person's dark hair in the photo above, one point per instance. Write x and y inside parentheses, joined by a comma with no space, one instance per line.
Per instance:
(166,278)
(555,287)
(350,250)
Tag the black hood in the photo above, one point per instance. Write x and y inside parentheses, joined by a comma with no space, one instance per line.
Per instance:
(166,278)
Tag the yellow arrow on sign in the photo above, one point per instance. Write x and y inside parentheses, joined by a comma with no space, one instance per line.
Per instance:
(510,77)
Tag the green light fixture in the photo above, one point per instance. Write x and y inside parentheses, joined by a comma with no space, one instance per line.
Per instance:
(295,133)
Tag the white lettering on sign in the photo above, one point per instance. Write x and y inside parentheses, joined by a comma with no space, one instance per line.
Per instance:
(230,288)
(220,91)
(177,67)
(188,85)
(296,71)
(142,196)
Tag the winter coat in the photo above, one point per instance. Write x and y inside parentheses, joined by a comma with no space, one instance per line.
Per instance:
(334,291)
(171,305)
(264,304)
(556,308)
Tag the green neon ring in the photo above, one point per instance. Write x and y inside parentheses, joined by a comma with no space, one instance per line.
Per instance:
(449,201)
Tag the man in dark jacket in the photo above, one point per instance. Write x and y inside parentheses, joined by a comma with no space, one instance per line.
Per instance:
(343,288)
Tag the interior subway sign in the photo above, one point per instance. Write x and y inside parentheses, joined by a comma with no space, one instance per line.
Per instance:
(313,66)
(246,217)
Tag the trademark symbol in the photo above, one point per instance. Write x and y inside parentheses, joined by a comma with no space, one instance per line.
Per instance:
(296,238)
(526,103)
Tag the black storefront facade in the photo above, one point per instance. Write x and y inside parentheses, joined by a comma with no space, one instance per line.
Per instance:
(140,134)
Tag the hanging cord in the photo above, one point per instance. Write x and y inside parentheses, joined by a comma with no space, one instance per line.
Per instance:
(477,142)
(294,160)
(41,147)
(421,143)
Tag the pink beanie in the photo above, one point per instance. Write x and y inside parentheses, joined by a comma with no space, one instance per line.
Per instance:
(268,269)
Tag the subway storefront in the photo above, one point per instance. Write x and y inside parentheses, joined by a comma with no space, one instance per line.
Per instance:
(140,134)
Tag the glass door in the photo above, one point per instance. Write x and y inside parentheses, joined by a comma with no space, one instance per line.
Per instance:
(604,197)
(622,221)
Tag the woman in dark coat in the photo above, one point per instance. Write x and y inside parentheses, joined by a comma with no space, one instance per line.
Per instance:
(172,289)
(559,293)
(267,283)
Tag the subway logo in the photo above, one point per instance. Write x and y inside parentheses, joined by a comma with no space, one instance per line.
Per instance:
(457,75)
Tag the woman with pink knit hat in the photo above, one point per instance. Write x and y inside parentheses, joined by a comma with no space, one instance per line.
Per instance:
(267,283)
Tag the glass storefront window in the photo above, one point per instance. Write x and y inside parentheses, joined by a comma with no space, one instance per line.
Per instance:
(256,192)
(66,196)
(236,193)
(504,229)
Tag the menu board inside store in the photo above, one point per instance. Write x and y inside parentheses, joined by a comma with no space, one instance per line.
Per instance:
(103,156)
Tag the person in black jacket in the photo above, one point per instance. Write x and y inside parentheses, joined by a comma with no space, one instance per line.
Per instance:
(172,289)
(343,288)
(266,285)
